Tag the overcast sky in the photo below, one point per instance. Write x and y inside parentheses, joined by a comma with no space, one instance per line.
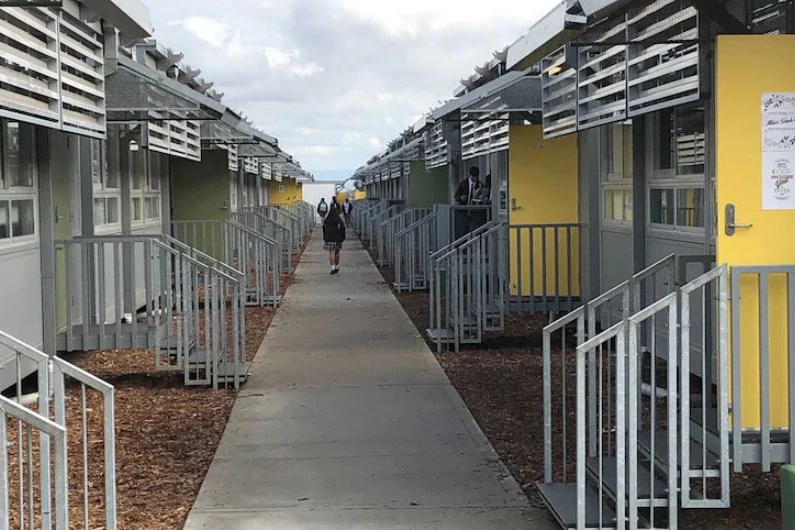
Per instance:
(335,80)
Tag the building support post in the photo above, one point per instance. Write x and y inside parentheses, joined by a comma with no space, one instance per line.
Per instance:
(639,192)
(47,240)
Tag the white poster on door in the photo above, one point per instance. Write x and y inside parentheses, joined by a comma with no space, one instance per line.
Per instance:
(778,151)
(778,172)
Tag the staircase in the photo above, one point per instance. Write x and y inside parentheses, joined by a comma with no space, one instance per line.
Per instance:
(154,292)
(468,288)
(37,438)
(639,453)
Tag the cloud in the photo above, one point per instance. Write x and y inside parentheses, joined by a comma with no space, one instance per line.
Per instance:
(336,79)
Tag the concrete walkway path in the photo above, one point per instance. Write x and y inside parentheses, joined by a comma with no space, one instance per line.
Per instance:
(348,422)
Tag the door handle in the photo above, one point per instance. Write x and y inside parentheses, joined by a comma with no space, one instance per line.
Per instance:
(731,227)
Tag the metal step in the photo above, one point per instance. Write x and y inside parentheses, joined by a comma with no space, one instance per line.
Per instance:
(610,482)
(561,500)
(661,451)
(169,344)
(97,338)
(226,372)
(443,335)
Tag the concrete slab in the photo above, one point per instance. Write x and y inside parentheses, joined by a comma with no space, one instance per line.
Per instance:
(349,422)
(374,519)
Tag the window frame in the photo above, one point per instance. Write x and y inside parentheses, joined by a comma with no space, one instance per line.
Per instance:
(612,180)
(103,190)
(671,179)
(10,194)
(145,193)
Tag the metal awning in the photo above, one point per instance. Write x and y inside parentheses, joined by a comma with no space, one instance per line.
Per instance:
(131,17)
(408,153)
(552,31)
(256,150)
(474,95)
(136,93)
(228,130)
(521,96)
(219,132)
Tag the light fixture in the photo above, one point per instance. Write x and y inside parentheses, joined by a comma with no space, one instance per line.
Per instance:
(555,70)
(133,146)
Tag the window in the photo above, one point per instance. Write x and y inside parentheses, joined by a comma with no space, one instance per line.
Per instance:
(617,177)
(152,207)
(618,205)
(105,179)
(137,169)
(106,211)
(146,200)
(17,182)
(154,173)
(618,140)
(678,163)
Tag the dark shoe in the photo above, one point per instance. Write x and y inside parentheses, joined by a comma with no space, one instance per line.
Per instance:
(335,271)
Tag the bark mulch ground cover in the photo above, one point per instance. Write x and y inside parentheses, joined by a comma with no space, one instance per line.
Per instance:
(166,435)
(501,382)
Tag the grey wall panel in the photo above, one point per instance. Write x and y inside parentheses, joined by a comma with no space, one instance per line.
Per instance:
(616,258)
(589,177)
(21,310)
(660,245)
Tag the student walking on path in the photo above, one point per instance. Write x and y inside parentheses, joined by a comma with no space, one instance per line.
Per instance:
(322,209)
(333,236)
(347,209)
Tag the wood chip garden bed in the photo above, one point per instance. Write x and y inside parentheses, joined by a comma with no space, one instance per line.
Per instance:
(501,383)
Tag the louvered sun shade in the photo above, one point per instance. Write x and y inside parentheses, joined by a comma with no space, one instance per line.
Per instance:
(662,75)
(52,70)
(603,79)
(435,146)
(558,94)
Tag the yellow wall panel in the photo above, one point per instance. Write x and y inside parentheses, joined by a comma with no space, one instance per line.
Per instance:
(291,192)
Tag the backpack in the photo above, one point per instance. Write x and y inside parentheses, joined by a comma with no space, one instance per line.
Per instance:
(322,208)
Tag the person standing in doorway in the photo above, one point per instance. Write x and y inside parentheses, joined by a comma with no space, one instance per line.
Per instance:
(333,237)
(467,189)
(322,208)
(347,209)
(464,196)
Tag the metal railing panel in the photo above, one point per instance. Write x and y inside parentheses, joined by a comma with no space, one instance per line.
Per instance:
(238,248)
(544,267)
(559,328)
(414,246)
(763,374)
(612,435)
(656,426)
(707,289)
(24,458)
(53,374)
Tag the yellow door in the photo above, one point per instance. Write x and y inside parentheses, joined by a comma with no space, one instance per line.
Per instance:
(750,68)
(543,180)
